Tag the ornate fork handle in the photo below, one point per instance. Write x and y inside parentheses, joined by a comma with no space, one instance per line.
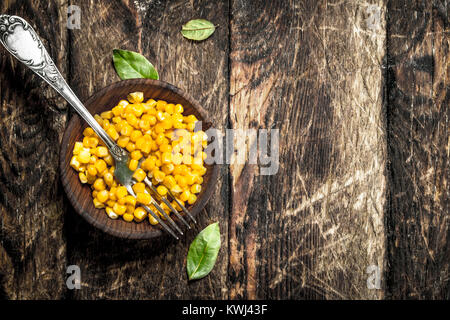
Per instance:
(19,38)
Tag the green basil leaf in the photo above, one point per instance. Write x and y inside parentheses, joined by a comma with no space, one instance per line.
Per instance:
(198,29)
(132,65)
(203,252)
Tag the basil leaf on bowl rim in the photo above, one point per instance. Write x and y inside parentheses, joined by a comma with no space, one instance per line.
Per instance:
(198,29)
(132,65)
(203,252)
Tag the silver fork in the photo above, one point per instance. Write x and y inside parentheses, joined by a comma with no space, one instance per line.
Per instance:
(19,38)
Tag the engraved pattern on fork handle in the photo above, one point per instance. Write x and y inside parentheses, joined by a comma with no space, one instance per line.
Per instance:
(46,69)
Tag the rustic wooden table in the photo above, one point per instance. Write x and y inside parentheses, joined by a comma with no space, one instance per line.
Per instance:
(360,94)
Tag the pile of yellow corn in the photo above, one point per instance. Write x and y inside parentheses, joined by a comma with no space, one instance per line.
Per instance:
(159,137)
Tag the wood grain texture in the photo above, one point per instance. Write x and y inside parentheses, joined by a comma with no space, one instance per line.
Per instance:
(361,102)
(113,268)
(313,70)
(418,99)
(32,245)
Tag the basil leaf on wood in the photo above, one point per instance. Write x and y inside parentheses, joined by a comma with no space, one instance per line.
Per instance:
(198,29)
(132,65)
(203,252)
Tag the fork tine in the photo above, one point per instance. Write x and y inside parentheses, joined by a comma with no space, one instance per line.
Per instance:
(167,216)
(182,207)
(175,212)
(154,215)
(147,181)
(165,226)
(150,185)
(130,191)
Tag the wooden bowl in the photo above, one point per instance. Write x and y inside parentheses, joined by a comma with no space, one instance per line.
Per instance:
(80,194)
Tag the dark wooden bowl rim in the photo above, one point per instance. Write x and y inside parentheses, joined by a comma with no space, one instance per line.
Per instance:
(67,176)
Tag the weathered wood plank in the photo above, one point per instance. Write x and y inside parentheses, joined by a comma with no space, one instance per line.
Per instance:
(316,70)
(115,268)
(418,99)
(313,70)
(32,247)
